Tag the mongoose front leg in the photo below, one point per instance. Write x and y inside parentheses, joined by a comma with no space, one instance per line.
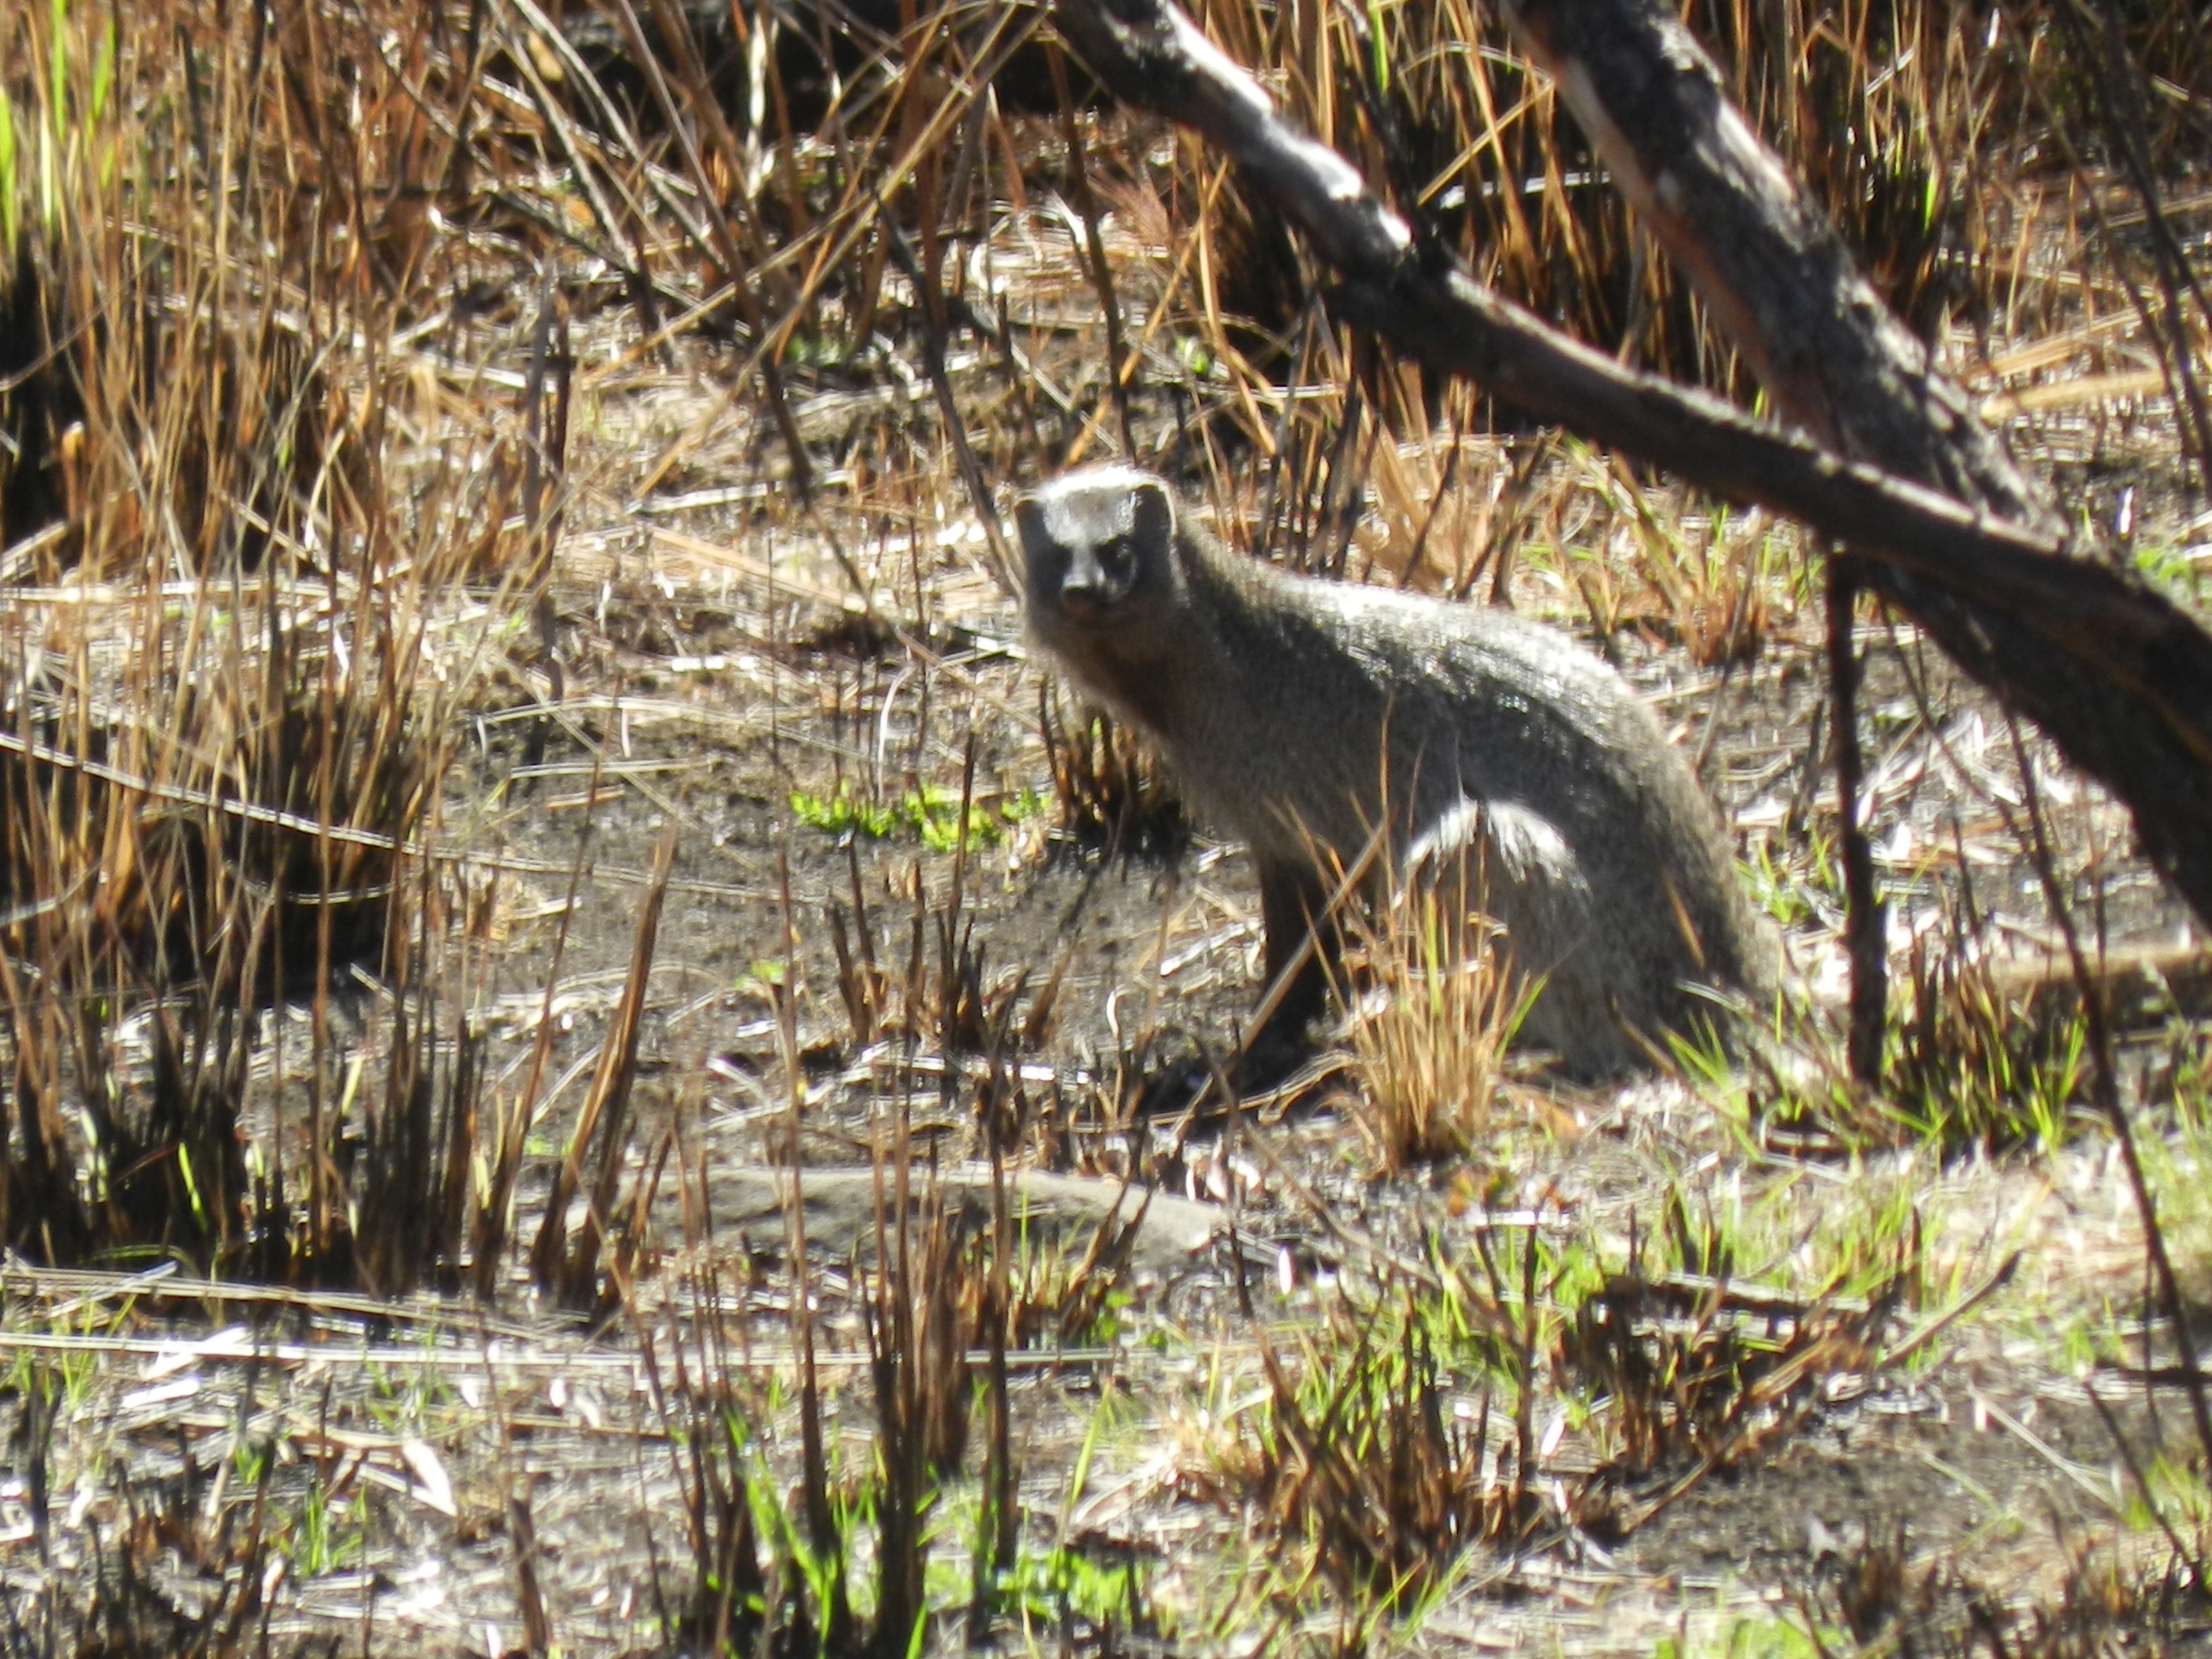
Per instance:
(1291,898)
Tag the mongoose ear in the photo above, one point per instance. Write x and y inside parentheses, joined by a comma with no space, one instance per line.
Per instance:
(1028,520)
(1152,512)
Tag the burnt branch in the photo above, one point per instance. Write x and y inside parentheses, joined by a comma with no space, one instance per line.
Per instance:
(2119,676)
(1765,258)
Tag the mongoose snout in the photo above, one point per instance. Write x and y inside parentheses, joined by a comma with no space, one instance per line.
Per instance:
(1302,715)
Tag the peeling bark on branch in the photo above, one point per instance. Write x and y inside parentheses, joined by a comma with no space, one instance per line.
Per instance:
(2119,676)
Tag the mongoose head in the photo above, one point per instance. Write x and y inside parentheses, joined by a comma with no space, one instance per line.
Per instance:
(1099,545)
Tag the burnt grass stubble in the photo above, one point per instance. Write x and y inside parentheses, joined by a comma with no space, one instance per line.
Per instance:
(570,1491)
(1798,1520)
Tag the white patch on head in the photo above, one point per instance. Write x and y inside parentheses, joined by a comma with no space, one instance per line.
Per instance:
(1106,475)
(1091,505)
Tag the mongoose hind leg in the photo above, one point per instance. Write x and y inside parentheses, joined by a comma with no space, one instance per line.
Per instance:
(1502,861)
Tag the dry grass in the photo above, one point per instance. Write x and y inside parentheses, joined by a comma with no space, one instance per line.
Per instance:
(1397,1440)
(1698,1371)
(225,760)
(1419,1422)
(1438,1002)
(1112,794)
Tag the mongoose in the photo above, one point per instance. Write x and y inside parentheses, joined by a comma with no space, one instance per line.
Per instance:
(1289,708)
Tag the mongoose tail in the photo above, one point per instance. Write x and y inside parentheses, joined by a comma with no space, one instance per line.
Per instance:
(1300,715)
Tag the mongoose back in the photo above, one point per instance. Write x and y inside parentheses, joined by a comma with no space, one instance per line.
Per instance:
(1289,708)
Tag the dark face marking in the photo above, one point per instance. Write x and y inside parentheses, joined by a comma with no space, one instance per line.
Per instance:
(1098,578)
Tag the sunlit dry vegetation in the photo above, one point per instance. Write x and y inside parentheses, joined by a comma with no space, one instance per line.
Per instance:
(592,1056)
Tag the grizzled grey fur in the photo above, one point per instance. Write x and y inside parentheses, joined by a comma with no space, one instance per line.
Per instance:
(1288,708)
